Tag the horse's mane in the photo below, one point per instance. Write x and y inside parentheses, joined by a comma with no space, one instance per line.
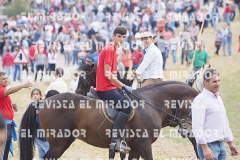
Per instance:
(88,79)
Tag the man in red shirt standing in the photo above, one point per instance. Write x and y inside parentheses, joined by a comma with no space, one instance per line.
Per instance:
(228,14)
(8,63)
(32,56)
(6,109)
(136,57)
(107,84)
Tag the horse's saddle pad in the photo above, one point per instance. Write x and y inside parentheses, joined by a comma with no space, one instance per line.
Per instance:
(109,111)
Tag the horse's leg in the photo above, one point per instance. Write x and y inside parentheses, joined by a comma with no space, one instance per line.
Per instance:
(193,141)
(133,155)
(53,153)
(122,155)
(145,149)
(57,146)
(70,140)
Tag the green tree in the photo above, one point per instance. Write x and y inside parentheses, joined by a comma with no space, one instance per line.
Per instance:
(16,7)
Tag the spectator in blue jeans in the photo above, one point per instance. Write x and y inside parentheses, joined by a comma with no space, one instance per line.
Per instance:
(210,123)
(174,42)
(161,45)
(17,72)
(229,41)
(224,33)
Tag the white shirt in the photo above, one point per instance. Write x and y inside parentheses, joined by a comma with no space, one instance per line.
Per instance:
(73,86)
(49,27)
(209,119)
(40,42)
(52,58)
(173,43)
(151,66)
(224,33)
(58,85)
(48,36)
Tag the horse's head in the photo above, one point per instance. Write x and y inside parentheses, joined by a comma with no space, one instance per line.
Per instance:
(205,67)
(198,82)
(87,77)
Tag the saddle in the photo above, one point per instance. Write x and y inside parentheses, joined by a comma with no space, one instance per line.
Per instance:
(108,110)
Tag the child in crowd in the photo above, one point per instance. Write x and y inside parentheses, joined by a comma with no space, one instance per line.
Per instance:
(74,83)
(41,142)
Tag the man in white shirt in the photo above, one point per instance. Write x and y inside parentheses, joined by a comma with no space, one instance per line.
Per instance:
(150,70)
(58,85)
(209,121)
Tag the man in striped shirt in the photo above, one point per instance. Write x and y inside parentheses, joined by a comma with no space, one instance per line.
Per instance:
(150,70)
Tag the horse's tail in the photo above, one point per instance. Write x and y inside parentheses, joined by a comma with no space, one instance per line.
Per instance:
(27,133)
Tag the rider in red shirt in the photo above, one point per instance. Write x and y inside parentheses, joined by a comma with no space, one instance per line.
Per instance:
(107,84)
(6,108)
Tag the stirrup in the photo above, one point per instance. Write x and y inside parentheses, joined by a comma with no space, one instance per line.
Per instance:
(121,148)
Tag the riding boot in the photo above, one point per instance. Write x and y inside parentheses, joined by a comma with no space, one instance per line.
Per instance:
(119,124)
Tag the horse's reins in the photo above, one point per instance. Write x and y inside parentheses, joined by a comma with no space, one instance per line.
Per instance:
(149,103)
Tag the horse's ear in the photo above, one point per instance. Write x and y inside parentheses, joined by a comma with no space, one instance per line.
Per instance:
(92,65)
(83,61)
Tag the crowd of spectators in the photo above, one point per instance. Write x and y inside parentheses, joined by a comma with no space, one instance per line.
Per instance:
(79,29)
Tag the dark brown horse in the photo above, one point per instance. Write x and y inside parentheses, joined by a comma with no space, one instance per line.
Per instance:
(85,120)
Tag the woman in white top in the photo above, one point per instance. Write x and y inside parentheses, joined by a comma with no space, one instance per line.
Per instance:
(52,58)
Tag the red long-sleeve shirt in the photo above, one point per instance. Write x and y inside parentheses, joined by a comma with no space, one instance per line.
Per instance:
(228,9)
(7,59)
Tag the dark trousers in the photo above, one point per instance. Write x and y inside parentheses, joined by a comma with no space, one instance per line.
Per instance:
(25,67)
(32,65)
(217,48)
(52,68)
(164,59)
(115,96)
(200,25)
(233,13)
(184,56)
(75,57)
(7,145)
(38,68)
(62,48)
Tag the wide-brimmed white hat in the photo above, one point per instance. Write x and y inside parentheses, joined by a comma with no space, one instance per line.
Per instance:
(146,34)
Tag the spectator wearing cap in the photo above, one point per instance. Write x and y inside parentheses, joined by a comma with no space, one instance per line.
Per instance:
(150,70)
(59,72)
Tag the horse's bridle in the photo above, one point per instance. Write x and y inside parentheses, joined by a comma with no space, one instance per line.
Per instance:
(181,122)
